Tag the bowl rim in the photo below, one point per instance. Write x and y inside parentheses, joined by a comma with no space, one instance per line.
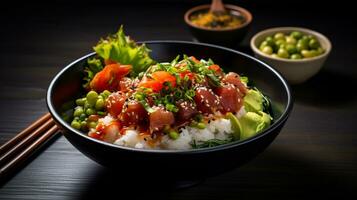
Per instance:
(247,15)
(273,30)
(233,144)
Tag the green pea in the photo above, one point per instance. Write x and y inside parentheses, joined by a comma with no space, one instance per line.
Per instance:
(269,40)
(92,97)
(92,124)
(274,55)
(279,42)
(87,105)
(304,40)
(173,134)
(283,53)
(314,52)
(263,44)
(201,125)
(310,37)
(279,36)
(75,124)
(291,48)
(84,126)
(290,40)
(90,111)
(295,56)
(267,50)
(308,54)
(78,111)
(314,44)
(81,101)
(82,117)
(99,105)
(320,50)
(301,46)
(105,94)
(296,34)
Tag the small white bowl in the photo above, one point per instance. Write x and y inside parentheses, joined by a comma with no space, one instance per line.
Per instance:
(295,71)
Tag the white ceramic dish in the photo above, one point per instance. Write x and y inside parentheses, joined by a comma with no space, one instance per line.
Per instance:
(295,71)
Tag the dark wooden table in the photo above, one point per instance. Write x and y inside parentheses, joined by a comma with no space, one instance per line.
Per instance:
(314,155)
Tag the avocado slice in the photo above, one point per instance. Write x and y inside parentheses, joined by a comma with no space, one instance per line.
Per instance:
(236,127)
(253,101)
(253,123)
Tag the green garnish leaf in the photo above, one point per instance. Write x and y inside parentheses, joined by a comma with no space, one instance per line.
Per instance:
(210,143)
(171,107)
(94,65)
(122,49)
(147,106)
(174,62)
(214,80)
(244,79)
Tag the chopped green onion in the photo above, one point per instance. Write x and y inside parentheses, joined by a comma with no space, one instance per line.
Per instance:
(171,107)
(147,106)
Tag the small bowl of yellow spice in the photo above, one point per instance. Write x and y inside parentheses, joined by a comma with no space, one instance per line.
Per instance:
(226,28)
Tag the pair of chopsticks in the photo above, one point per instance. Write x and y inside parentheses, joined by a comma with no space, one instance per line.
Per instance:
(21,147)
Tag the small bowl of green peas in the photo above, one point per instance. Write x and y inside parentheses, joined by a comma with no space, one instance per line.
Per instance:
(297,53)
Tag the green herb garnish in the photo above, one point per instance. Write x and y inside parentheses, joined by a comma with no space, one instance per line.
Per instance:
(210,143)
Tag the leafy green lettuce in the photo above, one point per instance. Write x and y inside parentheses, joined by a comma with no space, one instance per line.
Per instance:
(94,65)
(122,49)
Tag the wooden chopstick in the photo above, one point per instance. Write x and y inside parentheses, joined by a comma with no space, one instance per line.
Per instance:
(27,152)
(25,143)
(24,133)
(22,143)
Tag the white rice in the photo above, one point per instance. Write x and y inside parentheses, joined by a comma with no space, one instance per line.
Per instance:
(216,129)
(241,112)
(183,142)
(106,120)
(129,139)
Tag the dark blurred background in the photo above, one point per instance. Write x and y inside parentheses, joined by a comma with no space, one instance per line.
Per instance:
(65,29)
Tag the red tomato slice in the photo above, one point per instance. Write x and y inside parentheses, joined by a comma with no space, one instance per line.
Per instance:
(109,77)
(162,77)
(189,74)
(215,68)
(194,59)
(149,83)
(158,80)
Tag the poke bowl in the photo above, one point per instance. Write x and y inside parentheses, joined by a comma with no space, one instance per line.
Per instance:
(187,163)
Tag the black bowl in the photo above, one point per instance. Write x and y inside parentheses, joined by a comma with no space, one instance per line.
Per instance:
(229,37)
(184,164)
